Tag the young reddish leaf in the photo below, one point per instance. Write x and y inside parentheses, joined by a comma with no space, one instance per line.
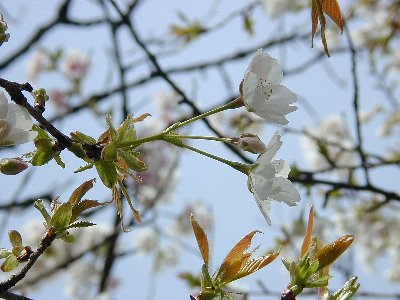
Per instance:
(201,239)
(307,238)
(140,118)
(233,261)
(135,213)
(80,191)
(254,265)
(118,204)
(332,9)
(79,208)
(329,253)
(318,8)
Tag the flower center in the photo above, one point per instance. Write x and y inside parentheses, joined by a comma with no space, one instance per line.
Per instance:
(5,128)
(265,87)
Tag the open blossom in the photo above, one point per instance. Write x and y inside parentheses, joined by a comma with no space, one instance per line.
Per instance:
(268,179)
(262,92)
(75,64)
(15,124)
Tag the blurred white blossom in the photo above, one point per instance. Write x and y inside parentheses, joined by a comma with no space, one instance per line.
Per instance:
(335,138)
(146,240)
(275,8)
(166,256)
(15,124)
(262,92)
(374,231)
(268,179)
(75,64)
(37,63)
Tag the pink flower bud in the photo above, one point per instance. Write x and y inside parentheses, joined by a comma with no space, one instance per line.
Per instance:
(12,166)
(251,143)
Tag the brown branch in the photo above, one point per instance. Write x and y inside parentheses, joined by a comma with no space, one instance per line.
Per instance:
(15,89)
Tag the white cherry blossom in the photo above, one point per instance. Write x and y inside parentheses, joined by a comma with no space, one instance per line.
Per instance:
(15,124)
(262,92)
(268,179)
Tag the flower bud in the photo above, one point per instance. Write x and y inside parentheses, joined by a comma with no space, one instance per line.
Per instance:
(251,143)
(40,97)
(12,166)
(3,28)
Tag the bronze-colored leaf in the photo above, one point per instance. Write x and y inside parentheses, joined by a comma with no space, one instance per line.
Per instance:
(140,118)
(118,204)
(78,209)
(254,265)
(201,238)
(332,9)
(318,8)
(329,253)
(307,237)
(233,261)
(135,213)
(80,191)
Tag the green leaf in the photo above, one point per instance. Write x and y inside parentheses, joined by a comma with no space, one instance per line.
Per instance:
(111,129)
(346,292)
(109,152)
(41,156)
(123,128)
(4,253)
(133,161)
(84,168)
(83,138)
(107,172)
(286,263)
(192,280)
(61,217)
(80,191)
(10,263)
(17,250)
(15,238)
(77,149)
(58,160)
(42,209)
(81,224)
(42,134)
(68,238)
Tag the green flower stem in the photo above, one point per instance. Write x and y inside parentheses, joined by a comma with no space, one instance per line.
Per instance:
(236,165)
(238,102)
(138,142)
(200,137)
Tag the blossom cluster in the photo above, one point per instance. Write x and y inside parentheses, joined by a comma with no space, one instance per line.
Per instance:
(263,94)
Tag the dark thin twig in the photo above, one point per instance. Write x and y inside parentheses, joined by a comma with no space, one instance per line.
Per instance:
(12,296)
(356,104)
(15,89)
(166,77)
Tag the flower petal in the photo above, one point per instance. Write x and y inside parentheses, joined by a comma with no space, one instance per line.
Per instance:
(3,106)
(266,68)
(19,117)
(283,190)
